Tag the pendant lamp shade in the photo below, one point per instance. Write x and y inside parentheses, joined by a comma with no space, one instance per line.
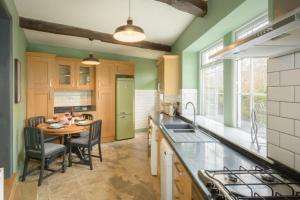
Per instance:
(129,32)
(90,60)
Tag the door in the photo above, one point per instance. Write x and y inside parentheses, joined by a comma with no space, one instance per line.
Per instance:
(125,103)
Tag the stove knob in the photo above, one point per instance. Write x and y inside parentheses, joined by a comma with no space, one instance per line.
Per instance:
(214,190)
(209,184)
(220,197)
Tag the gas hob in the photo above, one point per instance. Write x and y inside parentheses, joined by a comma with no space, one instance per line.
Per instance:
(249,184)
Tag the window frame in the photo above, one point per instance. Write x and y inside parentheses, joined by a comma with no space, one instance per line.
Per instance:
(202,67)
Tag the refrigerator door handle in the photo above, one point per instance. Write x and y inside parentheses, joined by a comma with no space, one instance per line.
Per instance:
(122,116)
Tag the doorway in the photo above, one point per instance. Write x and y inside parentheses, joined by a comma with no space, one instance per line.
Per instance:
(6,91)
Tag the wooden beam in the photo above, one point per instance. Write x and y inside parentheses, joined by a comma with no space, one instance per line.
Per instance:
(49,27)
(194,7)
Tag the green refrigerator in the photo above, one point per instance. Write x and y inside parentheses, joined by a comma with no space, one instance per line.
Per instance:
(125,108)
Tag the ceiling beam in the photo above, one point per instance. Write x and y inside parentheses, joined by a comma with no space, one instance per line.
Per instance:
(194,7)
(61,29)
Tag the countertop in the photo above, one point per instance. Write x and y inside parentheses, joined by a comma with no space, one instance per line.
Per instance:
(212,155)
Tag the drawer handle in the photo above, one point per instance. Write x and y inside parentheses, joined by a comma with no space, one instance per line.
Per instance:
(176,164)
(177,184)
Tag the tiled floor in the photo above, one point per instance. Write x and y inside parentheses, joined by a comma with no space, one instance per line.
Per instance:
(123,174)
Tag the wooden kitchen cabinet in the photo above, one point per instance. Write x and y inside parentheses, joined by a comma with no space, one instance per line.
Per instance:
(40,84)
(105,98)
(125,68)
(168,75)
(182,183)
(71,74)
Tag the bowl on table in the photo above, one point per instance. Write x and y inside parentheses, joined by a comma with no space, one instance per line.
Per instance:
(77,119)
(51,121)
(55,126)
(83,123)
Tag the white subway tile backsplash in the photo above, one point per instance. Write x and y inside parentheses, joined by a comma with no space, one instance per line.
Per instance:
(290,77)
(297,60)
(273,137)
(146,101)
(297,128)
(273,108)
(290,110)
(281,124)
(297,162)
(297,94)
(281,94)
(290,142)
(281,63)
(72,98)
(273,79)
(281,155)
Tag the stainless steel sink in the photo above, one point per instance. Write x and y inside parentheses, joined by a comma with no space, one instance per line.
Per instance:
(178,126)
(186,133)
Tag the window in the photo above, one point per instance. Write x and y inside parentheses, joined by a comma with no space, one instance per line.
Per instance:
(252,27)
(251,93)
(212,94)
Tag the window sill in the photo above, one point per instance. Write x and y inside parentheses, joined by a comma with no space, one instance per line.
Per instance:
(234,135)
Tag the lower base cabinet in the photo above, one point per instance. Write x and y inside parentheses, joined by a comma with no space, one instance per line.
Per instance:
(182,183)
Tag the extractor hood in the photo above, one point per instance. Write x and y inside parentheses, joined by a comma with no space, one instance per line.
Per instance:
(282,36)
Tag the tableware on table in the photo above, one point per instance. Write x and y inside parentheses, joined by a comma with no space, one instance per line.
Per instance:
(55,126)
(51,121)
(76,119)
(83,123)
(70,119)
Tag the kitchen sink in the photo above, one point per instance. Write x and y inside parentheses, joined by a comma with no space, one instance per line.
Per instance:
(178,126)
(180,133)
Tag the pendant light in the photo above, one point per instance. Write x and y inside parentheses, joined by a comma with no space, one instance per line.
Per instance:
(90,60)
(129,32)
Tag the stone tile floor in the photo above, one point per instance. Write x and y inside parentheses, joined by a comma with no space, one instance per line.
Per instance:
(124,174)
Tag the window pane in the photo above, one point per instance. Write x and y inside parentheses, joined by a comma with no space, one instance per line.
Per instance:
(245,75)
(209,52)
(261,117)
(245,113)
(259,75)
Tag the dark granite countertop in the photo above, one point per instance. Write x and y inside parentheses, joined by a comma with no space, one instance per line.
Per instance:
(212,155)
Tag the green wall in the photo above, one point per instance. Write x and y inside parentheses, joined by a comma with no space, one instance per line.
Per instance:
(222,18)
(145,69)
(19,110)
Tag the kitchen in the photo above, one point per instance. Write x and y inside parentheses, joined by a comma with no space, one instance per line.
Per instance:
(204,108)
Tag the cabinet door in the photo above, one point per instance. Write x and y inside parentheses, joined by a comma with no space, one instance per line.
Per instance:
(161,76)
(39,84)
(65,74)
(85,76)
(125,68)
(105,99)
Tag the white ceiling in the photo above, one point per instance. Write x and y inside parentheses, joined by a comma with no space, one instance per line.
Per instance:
(161,23)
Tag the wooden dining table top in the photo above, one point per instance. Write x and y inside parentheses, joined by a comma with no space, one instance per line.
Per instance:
(66,130)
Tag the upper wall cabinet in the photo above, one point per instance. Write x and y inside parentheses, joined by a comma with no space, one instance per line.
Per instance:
(125,68)
(168,75)
(70,74)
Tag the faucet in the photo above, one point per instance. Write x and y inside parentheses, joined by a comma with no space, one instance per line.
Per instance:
(186,105)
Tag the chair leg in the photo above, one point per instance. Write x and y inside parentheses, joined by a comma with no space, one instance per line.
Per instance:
(70,155)
(100,153)
(90,157)
(63,162)
(25,168)
(41,172)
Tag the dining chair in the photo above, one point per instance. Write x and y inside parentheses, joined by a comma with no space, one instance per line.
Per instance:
(34,121)
(82,143)
(45,152)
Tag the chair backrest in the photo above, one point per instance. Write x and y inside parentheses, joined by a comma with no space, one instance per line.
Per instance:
(87,116)
(34,140)
(34,121)
(95,131)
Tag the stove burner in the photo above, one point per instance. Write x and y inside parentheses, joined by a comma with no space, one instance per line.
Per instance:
(232,178)
(267,177)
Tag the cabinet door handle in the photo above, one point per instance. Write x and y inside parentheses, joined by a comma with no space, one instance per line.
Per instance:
(50,83)
(77,83)
(176,164)
(178,186)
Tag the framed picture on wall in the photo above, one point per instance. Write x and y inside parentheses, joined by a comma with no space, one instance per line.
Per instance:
(17,81)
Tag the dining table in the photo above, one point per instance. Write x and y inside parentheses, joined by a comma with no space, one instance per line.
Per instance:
(66,133)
